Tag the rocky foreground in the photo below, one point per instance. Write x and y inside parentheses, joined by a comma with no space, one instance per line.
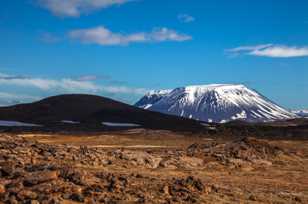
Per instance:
(245,170)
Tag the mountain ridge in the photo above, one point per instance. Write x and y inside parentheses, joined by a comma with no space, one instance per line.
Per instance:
(152,97)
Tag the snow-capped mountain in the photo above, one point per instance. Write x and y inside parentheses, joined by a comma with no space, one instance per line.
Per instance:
(301,113)
(215,103)
(151,98)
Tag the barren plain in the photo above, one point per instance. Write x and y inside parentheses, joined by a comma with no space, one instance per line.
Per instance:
(148,166)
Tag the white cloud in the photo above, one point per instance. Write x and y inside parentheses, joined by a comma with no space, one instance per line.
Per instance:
(249,48)
(74,8)
(87,78)
(124,90)
(102,36)
(7,99)
(66,85)
(165,34)
(15,96)
(74,85)
(282,51)
(270,50)
(47,84)
(185,18)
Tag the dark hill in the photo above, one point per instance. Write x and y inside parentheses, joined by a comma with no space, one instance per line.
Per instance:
(90,109)
(56,108)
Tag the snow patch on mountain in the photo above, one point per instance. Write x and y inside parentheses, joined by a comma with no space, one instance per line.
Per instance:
(216,103)
(301,113)
(152,97)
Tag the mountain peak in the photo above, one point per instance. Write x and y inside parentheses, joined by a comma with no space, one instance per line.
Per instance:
(159,92)
(152,97)
(217,103)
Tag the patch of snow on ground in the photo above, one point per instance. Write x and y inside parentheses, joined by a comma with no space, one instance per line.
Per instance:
(70,122)
(6,123)
(223,121)
(111,124)
(205,124)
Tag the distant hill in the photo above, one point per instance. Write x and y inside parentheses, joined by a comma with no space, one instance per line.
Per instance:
(79,109)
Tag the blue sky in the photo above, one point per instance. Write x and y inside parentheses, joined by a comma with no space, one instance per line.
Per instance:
(123,48)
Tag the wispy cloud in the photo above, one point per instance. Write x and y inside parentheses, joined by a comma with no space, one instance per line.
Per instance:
(47,84)
(249,48)
(282,51)
(124,90)
(87,78)
(270,50)
(103,36)
(84,84)
(7,99)
(185,18)
(74,8)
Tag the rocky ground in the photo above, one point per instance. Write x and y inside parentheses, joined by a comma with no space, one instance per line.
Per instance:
(45,169)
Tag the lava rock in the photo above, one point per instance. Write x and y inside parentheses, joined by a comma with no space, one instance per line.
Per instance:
(40,177)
